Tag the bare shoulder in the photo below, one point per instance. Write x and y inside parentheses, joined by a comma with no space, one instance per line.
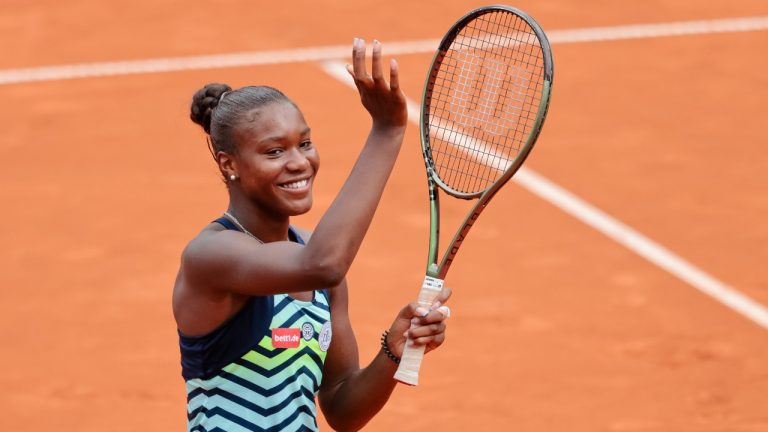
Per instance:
(205,258)
(210,248)
(202,243)
(199,303)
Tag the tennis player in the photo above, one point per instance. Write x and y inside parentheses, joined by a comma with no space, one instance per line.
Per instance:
(260,305)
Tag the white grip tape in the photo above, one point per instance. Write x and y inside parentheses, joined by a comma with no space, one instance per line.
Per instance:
(410,362)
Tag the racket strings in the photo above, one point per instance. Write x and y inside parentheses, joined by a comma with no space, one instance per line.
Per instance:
(484,100)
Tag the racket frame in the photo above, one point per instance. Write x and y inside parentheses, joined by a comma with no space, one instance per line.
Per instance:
(408,372)
(433,181)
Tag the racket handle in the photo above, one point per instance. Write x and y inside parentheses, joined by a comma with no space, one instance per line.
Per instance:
(410,362)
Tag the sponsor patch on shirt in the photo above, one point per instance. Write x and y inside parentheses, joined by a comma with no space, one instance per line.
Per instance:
(325,336)
(307,331)
(285,337)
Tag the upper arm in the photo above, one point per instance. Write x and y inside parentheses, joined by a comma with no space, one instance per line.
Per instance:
(343,358)
(230,262)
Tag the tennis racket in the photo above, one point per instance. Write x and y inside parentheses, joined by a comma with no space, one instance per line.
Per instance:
(484,102)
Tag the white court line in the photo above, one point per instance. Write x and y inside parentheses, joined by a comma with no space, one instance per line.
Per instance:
(172,64)
(611,227)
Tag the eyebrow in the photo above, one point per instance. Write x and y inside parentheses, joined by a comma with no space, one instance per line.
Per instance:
(282,137)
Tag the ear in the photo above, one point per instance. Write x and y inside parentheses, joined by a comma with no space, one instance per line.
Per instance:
(227,165)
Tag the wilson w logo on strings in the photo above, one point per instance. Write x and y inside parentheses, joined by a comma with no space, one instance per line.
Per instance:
(488,94)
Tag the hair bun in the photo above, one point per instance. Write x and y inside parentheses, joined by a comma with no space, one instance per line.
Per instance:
(203,103)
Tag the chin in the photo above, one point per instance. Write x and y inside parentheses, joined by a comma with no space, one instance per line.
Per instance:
(301,209)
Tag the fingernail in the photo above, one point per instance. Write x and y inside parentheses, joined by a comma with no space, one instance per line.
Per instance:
(420,311)
(435,305)
(415,321)
(405,335)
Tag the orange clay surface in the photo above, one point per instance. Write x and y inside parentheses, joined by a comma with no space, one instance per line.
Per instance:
(555,327)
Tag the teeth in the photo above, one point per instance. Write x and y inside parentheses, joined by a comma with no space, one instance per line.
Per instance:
(295,185)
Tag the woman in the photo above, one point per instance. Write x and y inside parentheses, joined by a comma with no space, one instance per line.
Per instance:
(261,306)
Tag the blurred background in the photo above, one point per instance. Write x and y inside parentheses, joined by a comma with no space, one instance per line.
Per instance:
(555,326)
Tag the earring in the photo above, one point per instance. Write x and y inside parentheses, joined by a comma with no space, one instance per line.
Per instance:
(232,177)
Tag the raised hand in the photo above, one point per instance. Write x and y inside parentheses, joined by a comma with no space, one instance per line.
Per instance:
(383,100)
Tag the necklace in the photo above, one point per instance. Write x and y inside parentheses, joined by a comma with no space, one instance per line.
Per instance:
(234,220)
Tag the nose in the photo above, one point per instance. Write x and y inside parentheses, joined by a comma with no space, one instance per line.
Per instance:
(297,161)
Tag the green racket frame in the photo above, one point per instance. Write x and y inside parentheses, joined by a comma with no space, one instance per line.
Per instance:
(433,181)
(408,371)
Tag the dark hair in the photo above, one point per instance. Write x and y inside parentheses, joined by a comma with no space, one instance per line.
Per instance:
(219,110)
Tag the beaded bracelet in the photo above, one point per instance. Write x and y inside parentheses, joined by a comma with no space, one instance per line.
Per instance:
(385,348)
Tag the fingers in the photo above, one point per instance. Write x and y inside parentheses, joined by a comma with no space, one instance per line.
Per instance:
(445,310)
(394,77)
(437,311)
(431,336)
(376,73)
(426,330)
(419,326)
(431,342)
(358,59)
(443,297)
(428,326)
(423,318)
(435,315)
(358,69)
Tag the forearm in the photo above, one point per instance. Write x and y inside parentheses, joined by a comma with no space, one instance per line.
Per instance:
(361,395)
(341,230)
(350,396)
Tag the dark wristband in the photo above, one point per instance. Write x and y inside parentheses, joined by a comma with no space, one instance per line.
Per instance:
(385,348)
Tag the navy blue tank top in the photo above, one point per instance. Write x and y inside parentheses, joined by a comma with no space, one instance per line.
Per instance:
(261,369)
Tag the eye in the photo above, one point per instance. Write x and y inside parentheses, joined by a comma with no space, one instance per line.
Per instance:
(306,144)
(274,152)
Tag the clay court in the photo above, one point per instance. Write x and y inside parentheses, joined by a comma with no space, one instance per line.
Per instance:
(556,326)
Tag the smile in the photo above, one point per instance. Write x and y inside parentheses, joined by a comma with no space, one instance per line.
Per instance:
(295,185)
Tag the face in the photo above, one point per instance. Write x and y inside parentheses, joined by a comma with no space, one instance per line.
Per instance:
(276,161)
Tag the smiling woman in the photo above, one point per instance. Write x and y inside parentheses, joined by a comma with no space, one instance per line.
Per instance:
(274,166)
(261,306)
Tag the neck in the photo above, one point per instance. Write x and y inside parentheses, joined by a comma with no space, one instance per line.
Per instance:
(266,226)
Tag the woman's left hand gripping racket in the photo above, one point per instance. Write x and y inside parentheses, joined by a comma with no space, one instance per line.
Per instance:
(484,102)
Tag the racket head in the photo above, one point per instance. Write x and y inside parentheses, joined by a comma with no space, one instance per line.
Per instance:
(485,100)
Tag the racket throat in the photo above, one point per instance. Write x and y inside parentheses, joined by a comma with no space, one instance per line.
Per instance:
(453,249)
(434,230)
